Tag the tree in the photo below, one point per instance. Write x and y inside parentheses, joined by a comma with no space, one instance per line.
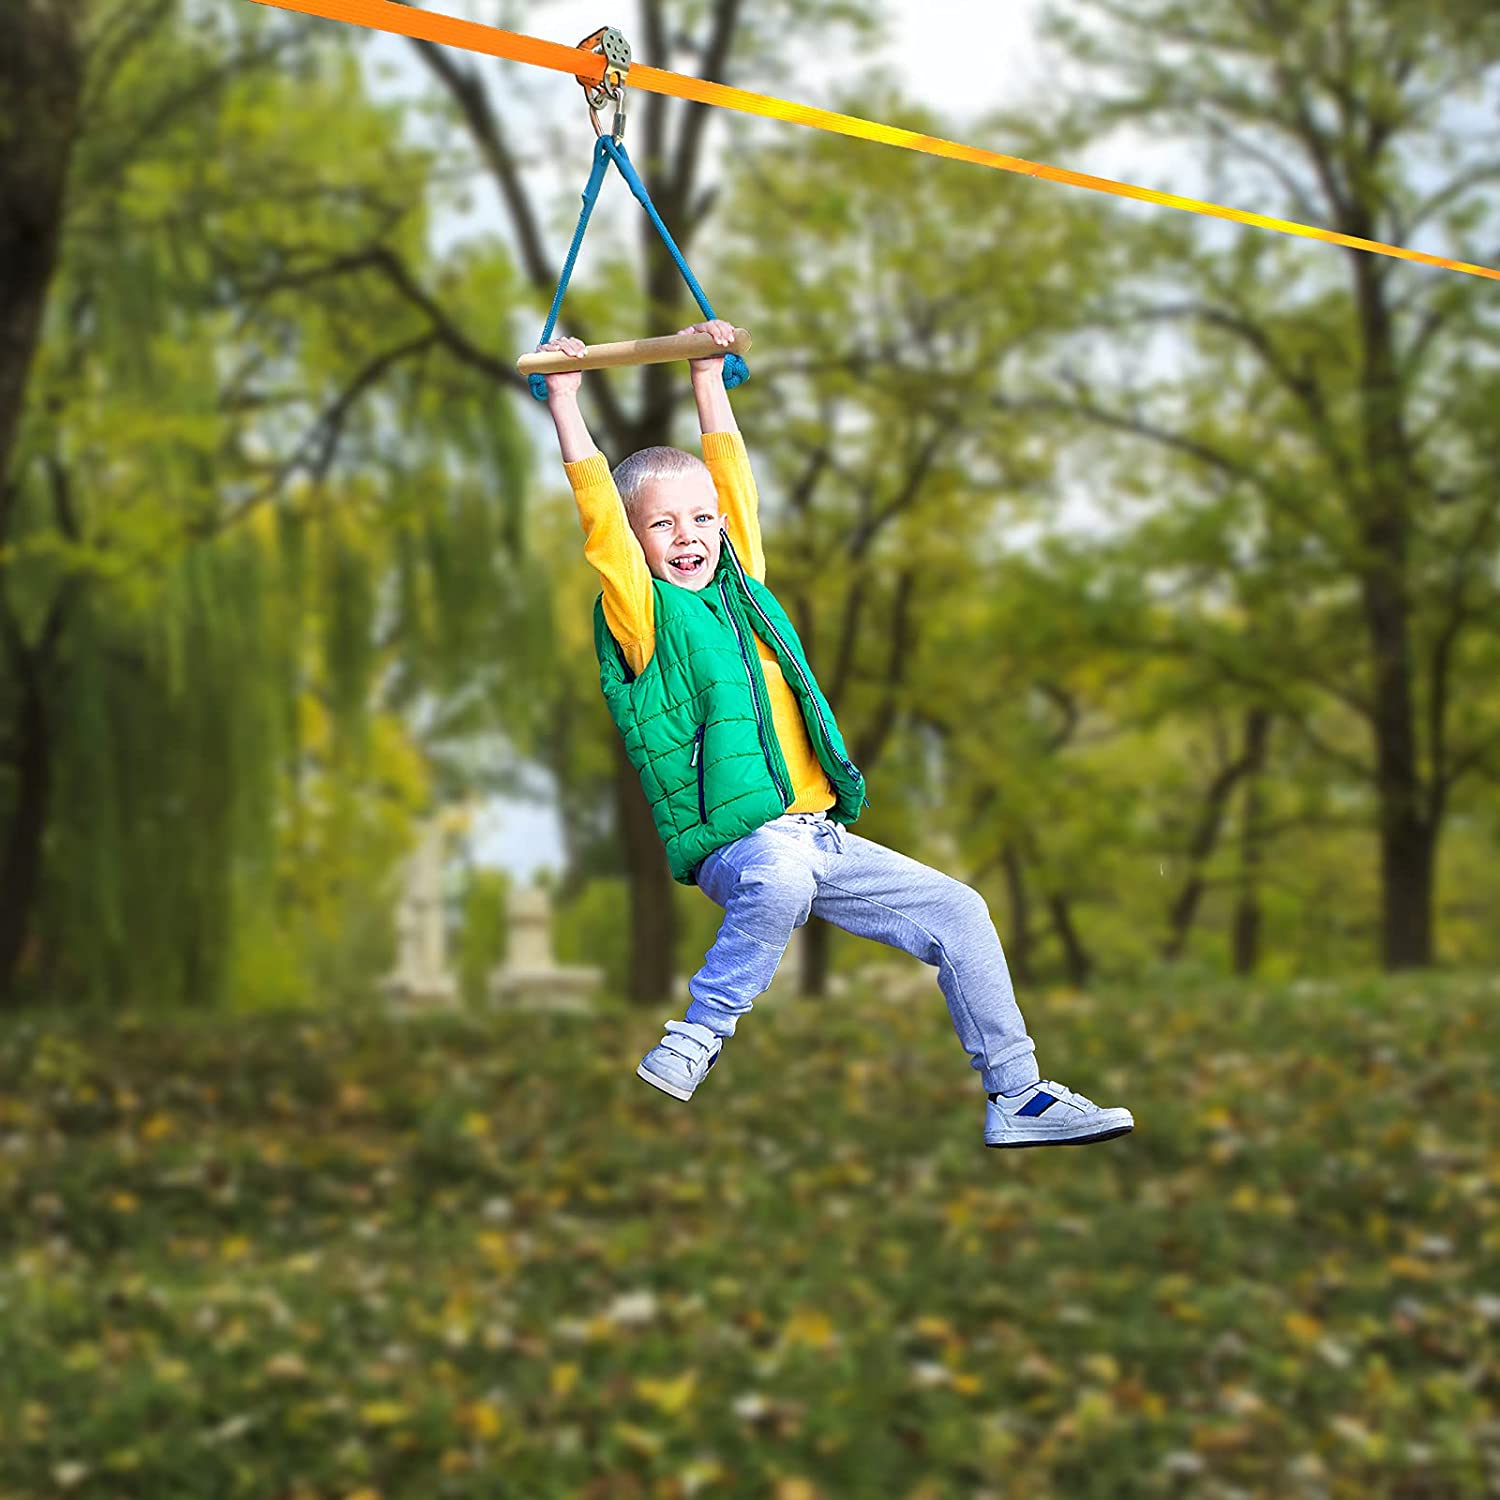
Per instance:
(223,581)
(1354,420)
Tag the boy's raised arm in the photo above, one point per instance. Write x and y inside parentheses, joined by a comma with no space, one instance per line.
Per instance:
(609,544)
(724,452)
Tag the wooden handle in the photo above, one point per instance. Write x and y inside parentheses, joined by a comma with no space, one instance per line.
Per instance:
(632,352)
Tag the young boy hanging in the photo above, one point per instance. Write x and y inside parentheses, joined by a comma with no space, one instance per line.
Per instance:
(748,778)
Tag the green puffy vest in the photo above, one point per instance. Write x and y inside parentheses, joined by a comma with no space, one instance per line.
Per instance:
(697,722)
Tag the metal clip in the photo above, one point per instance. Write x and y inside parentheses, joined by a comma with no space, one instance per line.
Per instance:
(616,52)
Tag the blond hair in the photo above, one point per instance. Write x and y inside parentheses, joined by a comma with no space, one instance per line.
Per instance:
(644,467)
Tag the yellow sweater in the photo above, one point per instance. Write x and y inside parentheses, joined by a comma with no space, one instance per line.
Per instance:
(611,547)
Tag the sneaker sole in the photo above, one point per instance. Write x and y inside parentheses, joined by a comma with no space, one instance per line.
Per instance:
(658,1083)
(1063,1140)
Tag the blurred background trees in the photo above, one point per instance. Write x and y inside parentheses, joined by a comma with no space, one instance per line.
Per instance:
(1150,562)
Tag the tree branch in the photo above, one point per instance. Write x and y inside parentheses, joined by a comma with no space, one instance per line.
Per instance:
(319,445)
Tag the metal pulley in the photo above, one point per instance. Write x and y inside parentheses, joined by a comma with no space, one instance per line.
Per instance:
(611,44)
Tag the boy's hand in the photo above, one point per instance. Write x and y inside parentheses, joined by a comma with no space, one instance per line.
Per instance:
(567,383)
(723,333)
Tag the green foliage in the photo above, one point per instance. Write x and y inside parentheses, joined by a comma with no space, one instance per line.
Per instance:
(261,525)
(465,1255)
(483,931)
(594,928)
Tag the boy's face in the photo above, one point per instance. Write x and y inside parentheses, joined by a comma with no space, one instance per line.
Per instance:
(678,517)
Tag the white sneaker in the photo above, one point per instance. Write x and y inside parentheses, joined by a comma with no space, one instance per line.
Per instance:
(1047,1114)
(678,1062)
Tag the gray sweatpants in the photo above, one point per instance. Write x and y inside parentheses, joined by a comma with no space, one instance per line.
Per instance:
(804,863)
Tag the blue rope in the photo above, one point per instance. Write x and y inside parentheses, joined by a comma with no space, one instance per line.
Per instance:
(538,383)
(736,372)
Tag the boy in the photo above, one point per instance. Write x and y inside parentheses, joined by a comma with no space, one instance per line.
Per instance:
(749,780)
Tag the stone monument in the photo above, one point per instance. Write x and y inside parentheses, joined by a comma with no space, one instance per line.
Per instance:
(529,979)
(421,980)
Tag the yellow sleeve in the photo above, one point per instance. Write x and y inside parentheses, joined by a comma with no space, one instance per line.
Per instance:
(729,464)
(611,547)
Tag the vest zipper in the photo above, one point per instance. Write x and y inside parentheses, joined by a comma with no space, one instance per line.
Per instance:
(697,760)
(812,697)
(786,797)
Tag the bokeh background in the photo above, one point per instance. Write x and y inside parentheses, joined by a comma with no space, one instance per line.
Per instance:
(1150,562)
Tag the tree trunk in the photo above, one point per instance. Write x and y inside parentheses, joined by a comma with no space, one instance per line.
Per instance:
(21,860)
(1246,929)
(816,953)
(1018,951)
(1407,838)
(653,913)
(41,74)
(1206,836)
(1080,966)
(40,78)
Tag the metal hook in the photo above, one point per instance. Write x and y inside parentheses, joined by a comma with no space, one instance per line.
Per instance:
(617,127)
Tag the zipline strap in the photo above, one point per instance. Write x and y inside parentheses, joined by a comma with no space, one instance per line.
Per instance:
(607,149)
(403,20)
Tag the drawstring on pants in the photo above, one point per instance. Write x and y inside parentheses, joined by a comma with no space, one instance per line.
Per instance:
(822,823)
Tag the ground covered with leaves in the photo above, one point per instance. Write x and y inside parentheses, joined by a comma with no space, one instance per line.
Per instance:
(306,1257)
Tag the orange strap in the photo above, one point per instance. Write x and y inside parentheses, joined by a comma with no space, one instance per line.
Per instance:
(406,20)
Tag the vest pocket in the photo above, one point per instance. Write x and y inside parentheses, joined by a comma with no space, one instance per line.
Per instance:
(698,761)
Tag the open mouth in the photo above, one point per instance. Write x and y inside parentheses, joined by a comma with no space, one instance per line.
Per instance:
(686,566)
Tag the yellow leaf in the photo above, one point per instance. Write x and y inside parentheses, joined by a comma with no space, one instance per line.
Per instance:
(808,1325)
(476,1123)
(796,1488)
(1245,1198)
(495,1246)
(352,1099)
(933,1327)
(125,1203)
(156,1127)
(966,1384)
(668,1396)
(482,1418)
(637,1439)
(285,1366)
(1094,1410)
(382,1413)
(564,1378)
(1103,1367)
(1406,1265)
(958,1212)
(1302,1328)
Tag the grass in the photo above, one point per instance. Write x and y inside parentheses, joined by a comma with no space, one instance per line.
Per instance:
(314,1258)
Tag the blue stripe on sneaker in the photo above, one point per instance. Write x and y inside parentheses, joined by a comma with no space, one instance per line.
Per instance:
(1037,1105)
